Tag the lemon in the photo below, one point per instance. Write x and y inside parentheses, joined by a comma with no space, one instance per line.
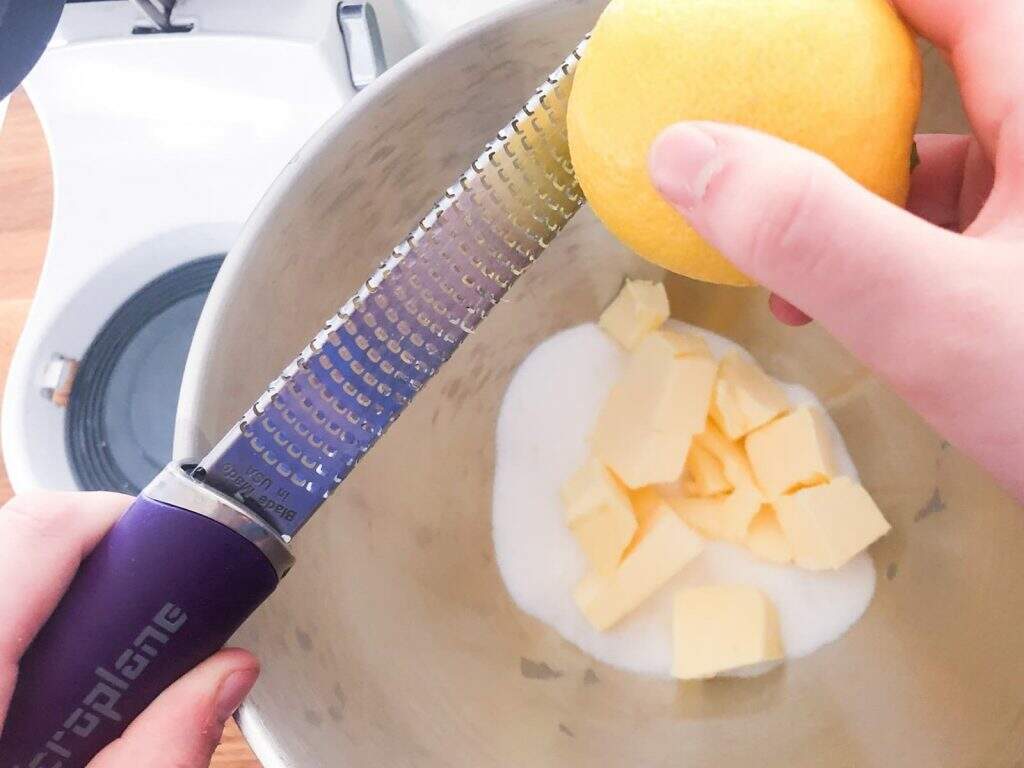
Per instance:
(840,77)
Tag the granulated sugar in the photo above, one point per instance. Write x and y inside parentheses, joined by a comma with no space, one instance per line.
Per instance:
(546,416)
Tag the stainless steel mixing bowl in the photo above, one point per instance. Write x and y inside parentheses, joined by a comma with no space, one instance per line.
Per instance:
(393,641)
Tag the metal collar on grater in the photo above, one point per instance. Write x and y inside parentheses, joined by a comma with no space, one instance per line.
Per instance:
(315,421)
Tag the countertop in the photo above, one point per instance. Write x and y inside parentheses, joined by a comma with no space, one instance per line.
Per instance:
(25,200)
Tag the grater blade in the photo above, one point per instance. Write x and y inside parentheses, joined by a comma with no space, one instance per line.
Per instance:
(316,420)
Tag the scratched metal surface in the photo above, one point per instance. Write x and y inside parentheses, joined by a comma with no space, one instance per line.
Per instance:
(327,409)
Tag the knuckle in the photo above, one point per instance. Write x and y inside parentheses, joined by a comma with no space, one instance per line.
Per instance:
(789,226)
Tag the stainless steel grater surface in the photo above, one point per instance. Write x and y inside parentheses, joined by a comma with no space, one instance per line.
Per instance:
(316,420)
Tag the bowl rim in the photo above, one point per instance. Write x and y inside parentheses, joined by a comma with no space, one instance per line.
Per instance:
(262,742)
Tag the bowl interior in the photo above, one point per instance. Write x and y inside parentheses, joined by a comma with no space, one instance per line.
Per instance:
(393,641)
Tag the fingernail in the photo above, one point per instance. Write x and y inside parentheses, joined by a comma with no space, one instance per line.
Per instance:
(683,162)
(233,690)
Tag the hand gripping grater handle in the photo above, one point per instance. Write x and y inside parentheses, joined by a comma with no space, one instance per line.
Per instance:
(164,589)
(197,553)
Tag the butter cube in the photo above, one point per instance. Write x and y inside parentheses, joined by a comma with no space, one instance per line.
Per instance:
(640,308)
(646,503)
(745,397)
(792,452)
(766,539)
(726,517)
(735,465)
(590,488)
(672,383)
(669,372)
(599,514)
(664,547)
(828,524)
(674,344)
(645,427)
(704,473)
(721,628)
(642,458)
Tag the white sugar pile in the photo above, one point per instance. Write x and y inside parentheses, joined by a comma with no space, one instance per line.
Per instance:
(546,416)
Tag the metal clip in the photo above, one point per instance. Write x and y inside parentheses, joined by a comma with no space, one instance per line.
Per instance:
(364,47)
(57,379)
(158,12)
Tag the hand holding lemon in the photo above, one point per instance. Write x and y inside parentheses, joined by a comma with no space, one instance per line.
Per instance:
(842,78)
(813,212)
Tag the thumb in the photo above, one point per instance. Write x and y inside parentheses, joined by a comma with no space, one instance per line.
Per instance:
(183,726)
(935,313)
(794,222)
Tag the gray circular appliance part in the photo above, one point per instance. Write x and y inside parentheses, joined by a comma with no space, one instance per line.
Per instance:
(120,419)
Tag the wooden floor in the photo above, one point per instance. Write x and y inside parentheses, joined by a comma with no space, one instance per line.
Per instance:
(26,193)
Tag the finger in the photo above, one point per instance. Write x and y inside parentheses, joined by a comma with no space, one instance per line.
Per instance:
(936,182)
(785,312)
(43,538)
(953,181)
(935,195)
(1003,213)
(981,39)
(183,726)
(910,299)
(979,178)
(791,220)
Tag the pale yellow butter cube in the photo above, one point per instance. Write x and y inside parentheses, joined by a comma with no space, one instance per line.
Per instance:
(694,380)
(642,458)
(665,546)
(725,517)
(704,473)
(599,514)
(672,383)
(735,465)
(723,628)
(645,427)
(745,397)
(675,344)
(829,524)
(647,502)
(590,488)
(604,537)
(640,308)
(766,539)
(792,452)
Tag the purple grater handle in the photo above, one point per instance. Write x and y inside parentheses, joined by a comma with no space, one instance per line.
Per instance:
(162,591)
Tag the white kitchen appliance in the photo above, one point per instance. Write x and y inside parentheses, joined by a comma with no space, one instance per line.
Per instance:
(430,20)
(165,123)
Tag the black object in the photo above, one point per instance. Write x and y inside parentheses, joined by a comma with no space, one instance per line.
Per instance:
(26,26)
(120,418)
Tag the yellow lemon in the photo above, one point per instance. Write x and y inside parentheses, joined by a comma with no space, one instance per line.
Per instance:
(840,77)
